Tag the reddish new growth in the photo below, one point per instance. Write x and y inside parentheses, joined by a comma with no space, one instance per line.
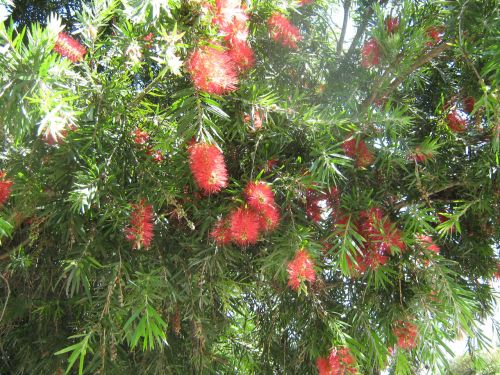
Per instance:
(434,33)
(300,269)
(469,103)
(456,122)
(342,362)
(358,150)
(283,31)
(221,232)
(392,24)
(68,47)
(5,186)
(419,155)
(140,136)
(406,333)
(140,230)
(244,226)
(212,70)
(255,122)
(370,53)
(208,167)
(427,243)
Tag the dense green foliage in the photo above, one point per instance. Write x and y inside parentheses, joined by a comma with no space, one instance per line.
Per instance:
(75,295)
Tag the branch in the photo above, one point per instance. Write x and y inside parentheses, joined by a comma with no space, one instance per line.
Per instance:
(340,43)
(395,83)
(8,295)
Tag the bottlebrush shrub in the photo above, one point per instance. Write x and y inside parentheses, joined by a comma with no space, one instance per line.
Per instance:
(208,167)
(220,288)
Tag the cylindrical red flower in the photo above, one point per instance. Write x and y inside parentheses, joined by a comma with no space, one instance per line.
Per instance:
(244,225)
(5,186)
(221,232)
(68,47)
(342,362)
(456,122)
(259,195)
(208,167)
(140,230)
(212,70)
(406,333)
(300,269)
(392,24)
(359,151)
(370,53)
(283,31)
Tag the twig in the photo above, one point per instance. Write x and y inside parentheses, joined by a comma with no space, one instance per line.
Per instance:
(395,83)
(347,5)
(8,296)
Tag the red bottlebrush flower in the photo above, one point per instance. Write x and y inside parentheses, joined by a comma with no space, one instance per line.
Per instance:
(428,243)
(148,37)
(212,70)
(283,31)
(157,155)
(221,232)
(323,366)
(140,230)
(305,2)
(270,165)
(358,150)
(208,167)
(456,123)
(68,47)
(392,24)
(342,362)
(269,218)
(229,15)
(245,226)
(300,269)
(242,55)
(259,195)
(5,186)
(434,33)
(469,103)
(140,136)
(370,53)
(406,333)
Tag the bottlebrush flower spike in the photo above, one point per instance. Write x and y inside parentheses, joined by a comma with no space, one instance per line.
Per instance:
(140,136)
(342,362)
(301,269)
(434,33)
(456,122)
(406,333)
(229,14)
(68,47)
(256,124)
(392,24)
(140,230)
(5,185)
(428,243)
(283,31)
(221,232)
(469,103)
(242,55)
(269,218)
(358,150)
(324,367)
(370,53)
(259,195)
(212,70)
(208,167)
(245,226)
(419,155)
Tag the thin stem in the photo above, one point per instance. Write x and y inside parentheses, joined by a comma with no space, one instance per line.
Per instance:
(347,5)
